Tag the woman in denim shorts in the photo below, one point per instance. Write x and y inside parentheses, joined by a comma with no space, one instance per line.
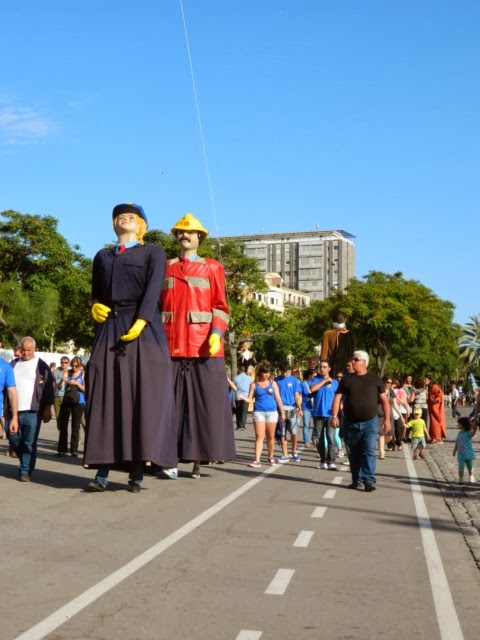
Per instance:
(266,409)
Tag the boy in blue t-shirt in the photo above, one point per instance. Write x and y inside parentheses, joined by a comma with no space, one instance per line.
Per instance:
(291,395)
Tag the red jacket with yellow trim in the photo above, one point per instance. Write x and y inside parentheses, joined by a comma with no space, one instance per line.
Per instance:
(194,303)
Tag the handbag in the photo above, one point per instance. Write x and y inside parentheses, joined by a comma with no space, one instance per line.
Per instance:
(71,397)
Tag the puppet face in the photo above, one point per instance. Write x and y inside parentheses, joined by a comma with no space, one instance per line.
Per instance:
(188,240)
(126,223)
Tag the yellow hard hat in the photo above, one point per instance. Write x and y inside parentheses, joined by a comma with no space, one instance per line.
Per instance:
(189,223)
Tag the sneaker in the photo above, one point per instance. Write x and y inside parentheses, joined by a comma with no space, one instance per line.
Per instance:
(295,457)
(322,465)
(134,487)
(355,485)
(255,464)
(283,459)
(272,462)
(341,453)
(169,474)
(370,487)
(472,478)
(95,486)
(24,478)
(196,472)
(332,466)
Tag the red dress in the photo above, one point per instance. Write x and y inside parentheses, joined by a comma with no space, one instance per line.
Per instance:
(436,414)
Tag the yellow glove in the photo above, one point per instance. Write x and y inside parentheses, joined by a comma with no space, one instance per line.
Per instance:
(100,312)
(214,342)
(135,330)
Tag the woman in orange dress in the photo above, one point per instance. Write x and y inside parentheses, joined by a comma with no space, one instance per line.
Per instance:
(436,414)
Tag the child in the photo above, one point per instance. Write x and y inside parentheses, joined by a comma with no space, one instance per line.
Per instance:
(418,433)
(463,447)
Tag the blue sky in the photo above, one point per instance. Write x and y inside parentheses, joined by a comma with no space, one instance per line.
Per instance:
(360,115)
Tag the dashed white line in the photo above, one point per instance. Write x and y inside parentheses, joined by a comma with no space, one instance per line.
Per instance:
(448,623)
(246,634)
(329,494)
(337,480)
(319,512)
(279,584)
(303,539)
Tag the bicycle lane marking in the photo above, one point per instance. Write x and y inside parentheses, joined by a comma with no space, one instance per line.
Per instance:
(448,622)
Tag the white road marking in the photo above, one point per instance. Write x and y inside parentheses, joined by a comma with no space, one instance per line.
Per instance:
(245,634)
(318,512)
(337,480)
(279,584)
(62,615)
(448,622)
(329,494)
(303,539)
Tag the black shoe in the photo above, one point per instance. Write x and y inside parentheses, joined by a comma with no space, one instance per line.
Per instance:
(95,486)
(60,454)
(370,487)
(355,485)
(133,487)
(74,455)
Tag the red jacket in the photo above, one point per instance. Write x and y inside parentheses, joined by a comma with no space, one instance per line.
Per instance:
(193,304)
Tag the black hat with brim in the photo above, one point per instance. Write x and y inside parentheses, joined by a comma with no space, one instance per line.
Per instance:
(129,207)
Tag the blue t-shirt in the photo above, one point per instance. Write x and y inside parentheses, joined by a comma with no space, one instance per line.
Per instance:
(264,398)
(323,400)
(288,386)
(81,399)
(307,403)
(242,382)
(7,379)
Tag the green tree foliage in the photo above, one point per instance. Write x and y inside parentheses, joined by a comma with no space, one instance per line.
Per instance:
(49,279)
(401,323)
(469,344)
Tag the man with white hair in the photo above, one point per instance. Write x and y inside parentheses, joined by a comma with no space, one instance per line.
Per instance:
(361,392)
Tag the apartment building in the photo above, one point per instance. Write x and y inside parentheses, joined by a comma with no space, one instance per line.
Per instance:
(315,262)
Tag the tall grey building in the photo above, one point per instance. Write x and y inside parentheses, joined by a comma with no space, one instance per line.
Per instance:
(317,262)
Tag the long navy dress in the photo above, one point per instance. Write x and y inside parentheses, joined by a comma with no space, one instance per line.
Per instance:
(130,403)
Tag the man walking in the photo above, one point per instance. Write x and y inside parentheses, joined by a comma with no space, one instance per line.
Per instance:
(324,388)
(242,381)
(34,382)
(455,397)
(362,392)
(291,396)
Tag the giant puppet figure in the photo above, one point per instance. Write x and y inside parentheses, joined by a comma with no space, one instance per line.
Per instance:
(130,402)
(338,345)
(195,315)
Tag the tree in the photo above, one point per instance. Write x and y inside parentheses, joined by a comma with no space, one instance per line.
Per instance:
(400,323)
(49,279)
(469,344)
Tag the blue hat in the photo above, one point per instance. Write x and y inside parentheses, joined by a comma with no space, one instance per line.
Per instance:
(129,207)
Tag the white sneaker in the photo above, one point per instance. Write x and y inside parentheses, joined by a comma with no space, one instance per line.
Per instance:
(341,453)
(322,465)
(472,478)
(332,466)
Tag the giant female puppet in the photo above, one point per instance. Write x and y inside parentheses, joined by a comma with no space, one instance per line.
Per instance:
(196,314)
(130,402)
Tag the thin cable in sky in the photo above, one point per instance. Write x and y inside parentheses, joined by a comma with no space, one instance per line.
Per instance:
(200,126)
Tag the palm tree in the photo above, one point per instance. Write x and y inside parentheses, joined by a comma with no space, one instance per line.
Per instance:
(469,343)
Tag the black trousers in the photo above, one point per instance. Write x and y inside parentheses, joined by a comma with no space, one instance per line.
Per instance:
(76,411)
(241,411)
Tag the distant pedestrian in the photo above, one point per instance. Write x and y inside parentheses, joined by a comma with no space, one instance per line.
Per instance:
(242,382)
(455,400)
(463,447)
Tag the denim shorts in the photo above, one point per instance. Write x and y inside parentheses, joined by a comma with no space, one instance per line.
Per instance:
(418,443)
(265,416)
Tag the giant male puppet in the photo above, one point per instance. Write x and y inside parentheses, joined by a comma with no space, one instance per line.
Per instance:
(195,315)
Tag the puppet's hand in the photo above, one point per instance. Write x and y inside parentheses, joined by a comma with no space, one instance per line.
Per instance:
(135,330)
(100,312)
(214,342)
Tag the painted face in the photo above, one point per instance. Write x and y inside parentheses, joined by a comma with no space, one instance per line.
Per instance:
(188,239)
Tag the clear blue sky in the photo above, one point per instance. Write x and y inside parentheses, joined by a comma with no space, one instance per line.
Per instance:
(360,115)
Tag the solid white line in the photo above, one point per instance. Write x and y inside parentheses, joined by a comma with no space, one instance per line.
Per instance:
(303,539)
(337,480)
(329,494)
(448,622)
(279,584)
(245,634)
(318,512)
(62,615)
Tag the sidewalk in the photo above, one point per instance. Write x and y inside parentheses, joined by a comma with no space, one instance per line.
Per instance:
(462,500)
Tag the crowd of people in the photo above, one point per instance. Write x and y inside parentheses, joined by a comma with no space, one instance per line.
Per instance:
(155,389)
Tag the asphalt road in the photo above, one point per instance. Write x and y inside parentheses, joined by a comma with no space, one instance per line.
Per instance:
(241,554)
